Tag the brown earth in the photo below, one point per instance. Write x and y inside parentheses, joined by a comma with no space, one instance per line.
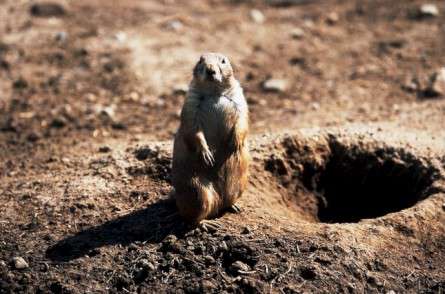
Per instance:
(347,185)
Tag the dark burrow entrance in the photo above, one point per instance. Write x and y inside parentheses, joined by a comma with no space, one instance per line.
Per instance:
(352,182)
(356,185)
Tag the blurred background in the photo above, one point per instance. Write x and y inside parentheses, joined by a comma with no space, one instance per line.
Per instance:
(89,69)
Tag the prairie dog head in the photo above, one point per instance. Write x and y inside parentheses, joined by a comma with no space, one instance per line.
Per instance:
(213,70)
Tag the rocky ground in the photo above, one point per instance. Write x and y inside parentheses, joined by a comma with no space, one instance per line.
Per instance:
(347,185)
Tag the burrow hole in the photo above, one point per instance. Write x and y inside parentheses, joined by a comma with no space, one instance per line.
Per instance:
(354,184)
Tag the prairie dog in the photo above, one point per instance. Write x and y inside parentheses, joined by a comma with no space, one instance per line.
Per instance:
(210,153)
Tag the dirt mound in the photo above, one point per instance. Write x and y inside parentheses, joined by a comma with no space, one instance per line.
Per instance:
(318,203)
(352,181)
(365,187)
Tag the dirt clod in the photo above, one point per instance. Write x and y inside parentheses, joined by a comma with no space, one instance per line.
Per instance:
(144,152)
(47,9)
(58,122)
(104,149)
(20,84)
(208,286)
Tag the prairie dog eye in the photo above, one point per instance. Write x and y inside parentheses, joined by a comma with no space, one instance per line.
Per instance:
(223,61)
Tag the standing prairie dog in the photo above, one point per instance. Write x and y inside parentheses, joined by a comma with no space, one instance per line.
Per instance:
(210,153)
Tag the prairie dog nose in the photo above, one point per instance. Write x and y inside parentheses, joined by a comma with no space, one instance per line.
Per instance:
(211,71)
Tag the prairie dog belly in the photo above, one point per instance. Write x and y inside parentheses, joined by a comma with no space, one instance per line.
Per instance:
(218,121)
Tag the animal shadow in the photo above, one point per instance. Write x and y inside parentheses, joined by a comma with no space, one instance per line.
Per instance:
(151,224)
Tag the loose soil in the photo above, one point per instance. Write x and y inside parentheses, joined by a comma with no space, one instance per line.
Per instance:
(347,182)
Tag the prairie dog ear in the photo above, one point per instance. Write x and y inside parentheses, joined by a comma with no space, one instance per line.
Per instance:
(198,66)
(196,69)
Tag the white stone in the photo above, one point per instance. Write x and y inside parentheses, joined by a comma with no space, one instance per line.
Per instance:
(257,16)
(175,25)
(333,18)
(19,263)
(429,10)
(121,37)
(61,36)
(437,85)
(297,33)
(275,85)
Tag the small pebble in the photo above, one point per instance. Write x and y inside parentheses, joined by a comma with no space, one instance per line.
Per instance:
(332,18)
(107,111)
(121,37)
(275,85)
(239,267)
(208,286)
(315,106)
(297,33)
(209,259)
(437,83)
(410,85)
(144,263)
(134,96)
(19,263)
(257,16)
(174,25)
(428,10)
(169,243)
(61,37)
(262,102)
(223,246)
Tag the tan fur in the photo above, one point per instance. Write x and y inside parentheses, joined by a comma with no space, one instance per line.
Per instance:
(210,154)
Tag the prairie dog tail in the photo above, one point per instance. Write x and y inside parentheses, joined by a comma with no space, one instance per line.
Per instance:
(200,202)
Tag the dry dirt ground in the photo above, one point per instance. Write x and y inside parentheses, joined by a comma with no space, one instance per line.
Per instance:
(346,191)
